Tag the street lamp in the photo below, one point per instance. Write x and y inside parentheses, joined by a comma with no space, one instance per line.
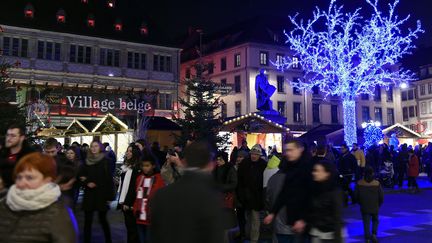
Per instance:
(403,85)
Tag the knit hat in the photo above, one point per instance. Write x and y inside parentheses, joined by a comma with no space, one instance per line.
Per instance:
(256,149)
(242,153)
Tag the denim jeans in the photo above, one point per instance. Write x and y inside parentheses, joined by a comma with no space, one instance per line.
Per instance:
(367,218)
(143,233)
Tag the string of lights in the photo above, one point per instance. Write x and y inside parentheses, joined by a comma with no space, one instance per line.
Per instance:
(353,55)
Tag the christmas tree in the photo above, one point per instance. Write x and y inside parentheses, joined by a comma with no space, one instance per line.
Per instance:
(200,106)
(9,113)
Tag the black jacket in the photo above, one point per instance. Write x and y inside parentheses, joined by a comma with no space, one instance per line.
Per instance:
(53,224)
(7,167)
(188,211)
(95,199)
(131,193)
(250,184)
(347,164)
(296,190)
(369,195)
(325,209)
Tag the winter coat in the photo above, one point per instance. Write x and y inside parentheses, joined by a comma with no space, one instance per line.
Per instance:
(274,187)
(325,209)
(413,166)
(157,183)
(188,211)
(96,199)
(296,190)
(8,162)
(250,184)
(369,195)
(131,193)
(170,173)
(347,164)
(225,177)
(53,224)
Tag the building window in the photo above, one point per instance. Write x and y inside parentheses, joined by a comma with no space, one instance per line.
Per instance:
(264,58)
(422,89)
(295,63)
(430,107)
(29,11)
(423,108)
(162,63)
(365,113)
(411,95)
(237,84)
(61,16)
(412,112)
(281,108)
(237,107)
(378,114)
(315,112)
(334,114)
(188,73)
(377,94)
(430,88)
(365,96)
(297,112)
(210,68)
(108,57)
(405,114)
(223,64)
(165,101)
(80,54)
(279,59)
(15,47)
(389,92)
(280,84)
(224,110)
(237,60)
(390,116)
(137,60)
(49,50)
(296,90)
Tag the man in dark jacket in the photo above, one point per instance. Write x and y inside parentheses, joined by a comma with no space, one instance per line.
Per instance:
(294,196)
(15,148)
(347,166)
(402,164)
(250,189)
(190,210)
(370,196)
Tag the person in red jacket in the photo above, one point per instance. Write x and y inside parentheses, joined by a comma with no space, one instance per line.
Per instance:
(413,172)
(147,183)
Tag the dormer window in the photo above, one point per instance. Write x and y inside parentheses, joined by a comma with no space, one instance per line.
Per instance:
(118,26)
(111,3)
(61,16)
(144,29)
(29,11)
(91,21)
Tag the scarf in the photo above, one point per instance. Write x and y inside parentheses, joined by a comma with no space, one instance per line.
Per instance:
(94,159)
(32,199)
(124,185)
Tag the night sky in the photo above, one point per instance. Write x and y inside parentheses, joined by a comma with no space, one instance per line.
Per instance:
(217,14)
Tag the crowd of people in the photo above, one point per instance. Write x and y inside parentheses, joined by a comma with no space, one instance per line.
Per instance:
(194,193)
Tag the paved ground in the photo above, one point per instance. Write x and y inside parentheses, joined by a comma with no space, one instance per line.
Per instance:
(403,218)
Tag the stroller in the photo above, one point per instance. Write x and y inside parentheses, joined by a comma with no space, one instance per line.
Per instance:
(386,175)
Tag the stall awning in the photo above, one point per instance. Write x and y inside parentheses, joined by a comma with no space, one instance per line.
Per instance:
(401,131)
(253,122)
(162,123)
(110,123)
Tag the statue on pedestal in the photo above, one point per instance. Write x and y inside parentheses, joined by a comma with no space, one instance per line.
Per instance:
(264,90)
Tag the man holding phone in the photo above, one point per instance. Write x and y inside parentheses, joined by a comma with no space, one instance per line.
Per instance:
(172,169)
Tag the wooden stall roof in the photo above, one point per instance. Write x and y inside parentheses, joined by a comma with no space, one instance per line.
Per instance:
(253,122)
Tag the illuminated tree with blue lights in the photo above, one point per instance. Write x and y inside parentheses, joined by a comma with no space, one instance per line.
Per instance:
(351,55)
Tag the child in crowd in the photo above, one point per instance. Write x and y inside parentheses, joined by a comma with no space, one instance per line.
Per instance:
(148,182)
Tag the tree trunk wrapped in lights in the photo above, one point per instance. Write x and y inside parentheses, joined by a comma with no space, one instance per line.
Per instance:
(351,55)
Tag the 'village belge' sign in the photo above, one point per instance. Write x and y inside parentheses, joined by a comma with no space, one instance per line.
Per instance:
(108,105)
